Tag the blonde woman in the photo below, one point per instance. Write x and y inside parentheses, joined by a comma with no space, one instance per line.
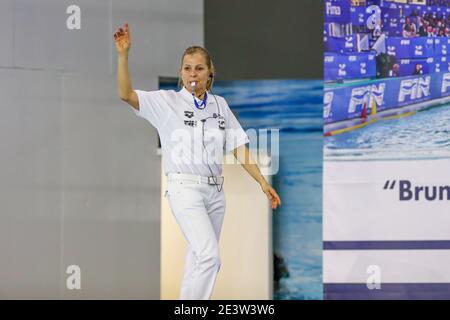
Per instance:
(196,127)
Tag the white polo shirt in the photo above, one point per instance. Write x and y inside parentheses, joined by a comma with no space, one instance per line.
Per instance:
(180,126)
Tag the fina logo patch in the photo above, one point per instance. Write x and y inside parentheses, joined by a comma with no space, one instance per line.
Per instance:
(188,114)
(222,124)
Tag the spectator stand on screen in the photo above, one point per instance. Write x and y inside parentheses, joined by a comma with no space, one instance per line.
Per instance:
(409,28)
(394,72)
(418,70)
(423,28)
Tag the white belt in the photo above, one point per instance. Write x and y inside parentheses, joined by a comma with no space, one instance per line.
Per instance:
(214,180)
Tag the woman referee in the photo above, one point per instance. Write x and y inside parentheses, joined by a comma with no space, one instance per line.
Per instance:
(196,127)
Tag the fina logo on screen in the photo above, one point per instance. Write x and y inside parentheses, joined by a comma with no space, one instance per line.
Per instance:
(407,191)
(414,88)
(366,94)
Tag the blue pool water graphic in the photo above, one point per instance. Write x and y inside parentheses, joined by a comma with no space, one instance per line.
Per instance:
(424,135)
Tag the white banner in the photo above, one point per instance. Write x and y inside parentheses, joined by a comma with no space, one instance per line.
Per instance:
(386,229)
(386,200)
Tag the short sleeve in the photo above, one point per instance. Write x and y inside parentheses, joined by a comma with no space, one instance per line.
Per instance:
(152,107)
(235,136)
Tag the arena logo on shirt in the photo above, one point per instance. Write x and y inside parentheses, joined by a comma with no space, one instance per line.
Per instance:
(408,191)
(188,114)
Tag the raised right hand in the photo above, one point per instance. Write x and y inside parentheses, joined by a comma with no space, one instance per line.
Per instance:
(122,38)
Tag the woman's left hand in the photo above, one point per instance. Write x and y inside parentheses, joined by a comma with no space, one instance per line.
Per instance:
(271,194)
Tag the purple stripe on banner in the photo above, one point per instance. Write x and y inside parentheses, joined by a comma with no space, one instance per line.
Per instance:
(387,245)
(388,291)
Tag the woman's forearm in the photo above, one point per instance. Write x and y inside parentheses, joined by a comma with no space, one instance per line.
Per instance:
(123,77)
(244,156)
(254,171)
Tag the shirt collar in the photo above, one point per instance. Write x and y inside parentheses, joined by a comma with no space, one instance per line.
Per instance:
(188,95)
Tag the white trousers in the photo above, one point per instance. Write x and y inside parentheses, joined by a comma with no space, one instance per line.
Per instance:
(199,210)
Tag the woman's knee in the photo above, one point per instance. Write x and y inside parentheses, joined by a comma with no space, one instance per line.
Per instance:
(210,260)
